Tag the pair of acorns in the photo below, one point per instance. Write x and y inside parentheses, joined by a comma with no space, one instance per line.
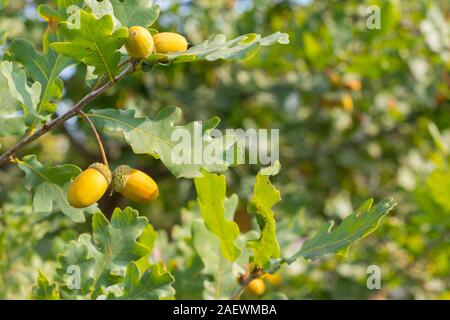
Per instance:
(258,287)
(91,184)
(140,43)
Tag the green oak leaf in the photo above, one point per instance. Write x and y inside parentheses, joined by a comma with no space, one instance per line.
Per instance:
(135,12)
(93,265)
(212,208)
(50,184)
(240,48)
(265,196)
(12,120)
(114,245)
(43,290)
(19,89)
(155,283)
(207,245)
(100,8)
(44,68)
(162,139)
(147,238)
(76,270)
(356,226)
(94,43)
(63,11)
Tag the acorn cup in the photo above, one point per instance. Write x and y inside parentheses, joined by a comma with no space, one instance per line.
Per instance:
(89,186)
(134,184)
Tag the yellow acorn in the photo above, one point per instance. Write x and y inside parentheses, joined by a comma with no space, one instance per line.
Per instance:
(347,102)
(89,186)
(273,279)
(335,78)
(256,287)
(167,42)
(139,43)
(134,184)
(353,84)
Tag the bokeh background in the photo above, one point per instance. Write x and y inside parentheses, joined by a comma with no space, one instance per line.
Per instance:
(362,114)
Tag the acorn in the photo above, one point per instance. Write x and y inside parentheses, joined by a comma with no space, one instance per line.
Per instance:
(134,184)
(353,84)
(347,102)
(256,287)
(273,279)
(168,42)
(89,186)
(139,43)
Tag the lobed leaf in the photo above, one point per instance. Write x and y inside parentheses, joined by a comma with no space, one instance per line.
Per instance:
(19,89)
(222,282)
(153,284)
(105,264)
(240,48)
(356,226)
(76,270)
(114,244)
(61,13)
(44,68)
(135,12)
(147,238)
(184,150)
(43,290)
(211,192)
(94,43)
(12,121)
(265,196)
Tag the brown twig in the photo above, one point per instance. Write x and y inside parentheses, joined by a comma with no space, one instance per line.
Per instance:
(66,115)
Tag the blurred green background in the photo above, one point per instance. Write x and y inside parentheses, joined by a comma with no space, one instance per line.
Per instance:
(362,113)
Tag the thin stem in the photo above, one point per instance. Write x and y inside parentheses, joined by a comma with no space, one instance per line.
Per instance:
(66,115)
(97,137)
(79,145)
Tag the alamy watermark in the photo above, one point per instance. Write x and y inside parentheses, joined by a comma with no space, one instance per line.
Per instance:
(374,279)
(74,278)
(237,146)
(374,17)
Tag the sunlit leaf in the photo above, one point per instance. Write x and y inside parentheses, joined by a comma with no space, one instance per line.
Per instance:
(19,89)
(265,196)
(174,145)
(94,43)
(240,48)
(356,226)
(207,246)
(212,208)
(43,290)
(154,283)
(135,12)
(114,245)
(44,68)
(12,120)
